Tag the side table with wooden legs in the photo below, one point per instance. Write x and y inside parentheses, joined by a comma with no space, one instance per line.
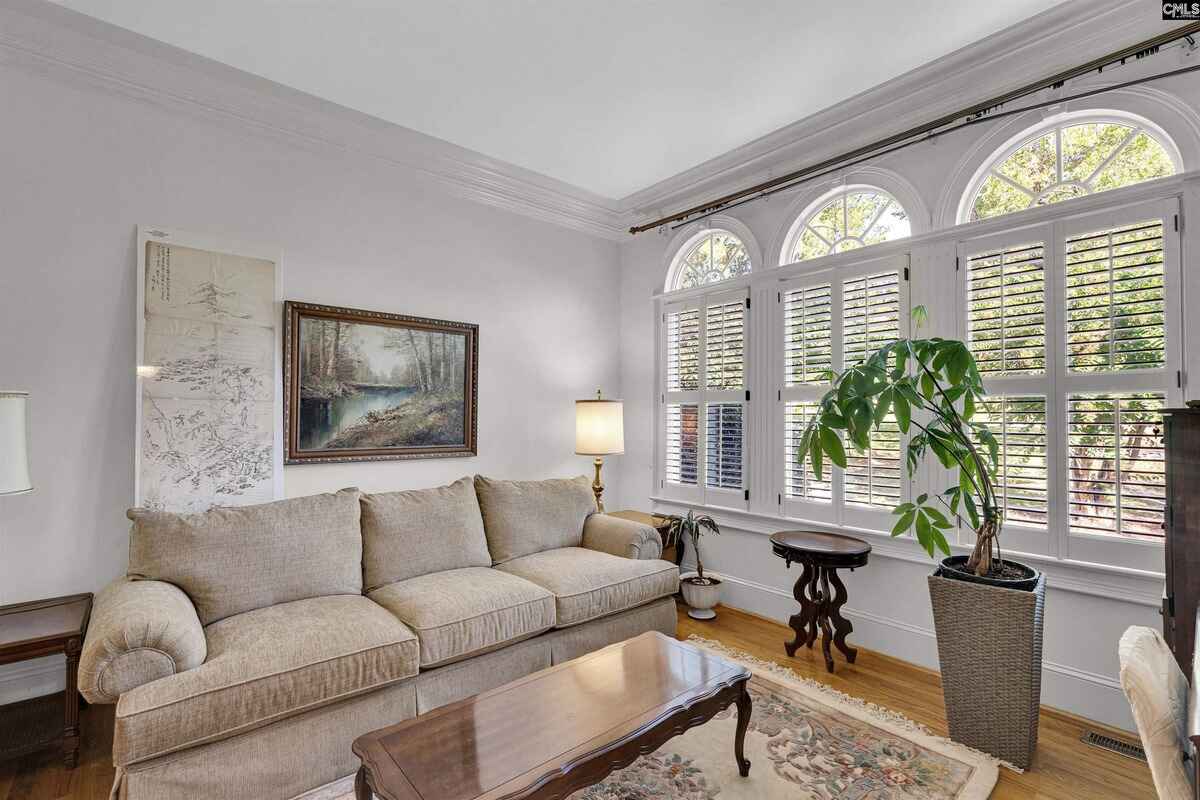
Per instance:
(821,556)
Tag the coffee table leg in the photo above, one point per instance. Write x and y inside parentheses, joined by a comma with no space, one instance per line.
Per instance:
(361,790)
(745,707)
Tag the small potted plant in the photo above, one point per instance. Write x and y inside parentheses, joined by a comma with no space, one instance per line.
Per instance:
(701,592)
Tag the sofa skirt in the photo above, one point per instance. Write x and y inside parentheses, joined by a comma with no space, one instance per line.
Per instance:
(295,755)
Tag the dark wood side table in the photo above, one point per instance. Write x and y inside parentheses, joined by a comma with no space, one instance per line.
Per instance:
(32,630)
(822,555)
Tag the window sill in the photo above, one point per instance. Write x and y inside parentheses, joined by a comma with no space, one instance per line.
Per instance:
(1100,580)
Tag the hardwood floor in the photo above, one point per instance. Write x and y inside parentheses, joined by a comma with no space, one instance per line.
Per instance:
(1065,768)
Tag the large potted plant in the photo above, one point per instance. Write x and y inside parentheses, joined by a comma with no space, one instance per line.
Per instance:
(987,609)
(701,592)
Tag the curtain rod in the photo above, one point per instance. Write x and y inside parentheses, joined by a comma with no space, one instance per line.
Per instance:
(980,108)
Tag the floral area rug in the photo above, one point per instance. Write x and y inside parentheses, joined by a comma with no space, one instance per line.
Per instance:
(806,742)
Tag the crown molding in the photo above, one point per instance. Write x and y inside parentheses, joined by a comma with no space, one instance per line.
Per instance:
(1015,56)
(61,44)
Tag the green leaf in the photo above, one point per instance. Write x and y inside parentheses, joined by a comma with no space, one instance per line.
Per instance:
(832,444)
(925,534)
(937,517)
(883,404)
(919,316)
(904,523)
(922,499)
(817,462)
(972,510)
(927,386)
(968,406)
(959,363)
(903,508)
(903,412)
(941,542)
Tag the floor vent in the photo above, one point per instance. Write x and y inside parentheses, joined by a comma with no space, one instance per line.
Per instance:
(1117,746)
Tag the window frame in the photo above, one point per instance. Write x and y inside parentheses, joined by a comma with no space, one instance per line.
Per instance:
(691,240)
(1010,146)
(701,493)
(801,221)
(1058,383)
(837,511)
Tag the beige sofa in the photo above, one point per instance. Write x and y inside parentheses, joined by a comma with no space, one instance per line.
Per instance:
(248,647)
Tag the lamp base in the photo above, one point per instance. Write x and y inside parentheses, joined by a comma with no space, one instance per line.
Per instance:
(597,486)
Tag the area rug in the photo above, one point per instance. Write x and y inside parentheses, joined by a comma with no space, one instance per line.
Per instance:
(806,742)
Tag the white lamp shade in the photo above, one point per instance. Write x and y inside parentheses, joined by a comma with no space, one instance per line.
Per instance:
(599,427)
(14,443)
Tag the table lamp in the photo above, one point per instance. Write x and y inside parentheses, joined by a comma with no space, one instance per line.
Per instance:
(599,431)
(14,443)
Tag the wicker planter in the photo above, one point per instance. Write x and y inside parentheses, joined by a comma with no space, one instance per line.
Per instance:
(990,648)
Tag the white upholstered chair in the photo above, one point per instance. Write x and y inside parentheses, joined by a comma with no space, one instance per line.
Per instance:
(1158,695)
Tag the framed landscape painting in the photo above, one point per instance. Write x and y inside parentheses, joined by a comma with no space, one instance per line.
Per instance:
(370,386)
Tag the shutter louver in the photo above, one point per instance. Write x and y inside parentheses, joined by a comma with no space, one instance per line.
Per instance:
(870,315)
(873,478)
(1116,467)
(800,483)
(807,335)
(1019,425)
(1006,310)
(1115,299)
(724,336)
(683,350)
(723,446)
(681,443)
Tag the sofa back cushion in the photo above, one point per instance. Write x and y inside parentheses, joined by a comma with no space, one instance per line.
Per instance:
(525,517)
(231,560)
(413,533)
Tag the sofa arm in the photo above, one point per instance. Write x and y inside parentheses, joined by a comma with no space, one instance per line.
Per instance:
(621,537)
(140,631)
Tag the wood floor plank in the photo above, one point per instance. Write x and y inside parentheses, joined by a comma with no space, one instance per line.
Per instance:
(1064,769)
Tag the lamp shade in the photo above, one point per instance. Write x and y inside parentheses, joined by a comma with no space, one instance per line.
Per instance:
(599,427)
(14,443)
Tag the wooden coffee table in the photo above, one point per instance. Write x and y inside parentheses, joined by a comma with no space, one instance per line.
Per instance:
(558,730)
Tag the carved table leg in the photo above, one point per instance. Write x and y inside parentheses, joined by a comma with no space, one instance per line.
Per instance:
(361,790)
(840,623)
(71,703)
(799,622)
(823,619)
(814,606)
(744,707)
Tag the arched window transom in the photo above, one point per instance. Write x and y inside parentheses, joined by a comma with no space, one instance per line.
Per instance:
(711,257)
(854,217)
(1072,159)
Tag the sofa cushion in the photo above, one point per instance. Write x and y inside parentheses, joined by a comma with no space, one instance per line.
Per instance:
(232,560)
(266,665)
(588,584)
(464,612)
(524,517)
(406,534)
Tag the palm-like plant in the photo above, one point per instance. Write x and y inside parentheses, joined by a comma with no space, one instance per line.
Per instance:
(693,527)
(932,386)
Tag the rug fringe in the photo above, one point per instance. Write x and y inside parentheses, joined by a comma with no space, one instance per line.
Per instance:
(870,709)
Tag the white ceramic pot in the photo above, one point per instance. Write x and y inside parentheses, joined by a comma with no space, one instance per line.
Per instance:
(701,598)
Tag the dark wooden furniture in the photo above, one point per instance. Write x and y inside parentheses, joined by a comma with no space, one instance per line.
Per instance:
(33,630)
(1181,437)
(822,555)
(558,730)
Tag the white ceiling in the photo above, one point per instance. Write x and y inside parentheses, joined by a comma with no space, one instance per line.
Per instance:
(611,96)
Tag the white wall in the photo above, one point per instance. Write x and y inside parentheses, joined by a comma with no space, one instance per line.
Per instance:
(82,166)
(889,605)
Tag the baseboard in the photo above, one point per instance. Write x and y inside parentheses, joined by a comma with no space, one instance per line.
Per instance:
(33,678)
(1081,692)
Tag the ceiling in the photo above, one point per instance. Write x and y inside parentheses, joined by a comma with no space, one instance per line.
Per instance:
(610,96)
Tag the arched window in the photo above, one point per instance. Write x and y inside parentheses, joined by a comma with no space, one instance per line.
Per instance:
(851,217)
(1073,157)
(709,257)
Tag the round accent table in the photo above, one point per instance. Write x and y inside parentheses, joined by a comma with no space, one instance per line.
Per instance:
(821,555)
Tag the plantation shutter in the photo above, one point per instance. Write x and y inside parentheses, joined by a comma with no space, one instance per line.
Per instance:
(704,399)
(1119,370)
(832,319)
(1006,310)
(1019,425)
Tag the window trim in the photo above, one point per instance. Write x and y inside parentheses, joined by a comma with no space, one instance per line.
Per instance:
(687,237)
(1015,142)
(841,189)
(929,252)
